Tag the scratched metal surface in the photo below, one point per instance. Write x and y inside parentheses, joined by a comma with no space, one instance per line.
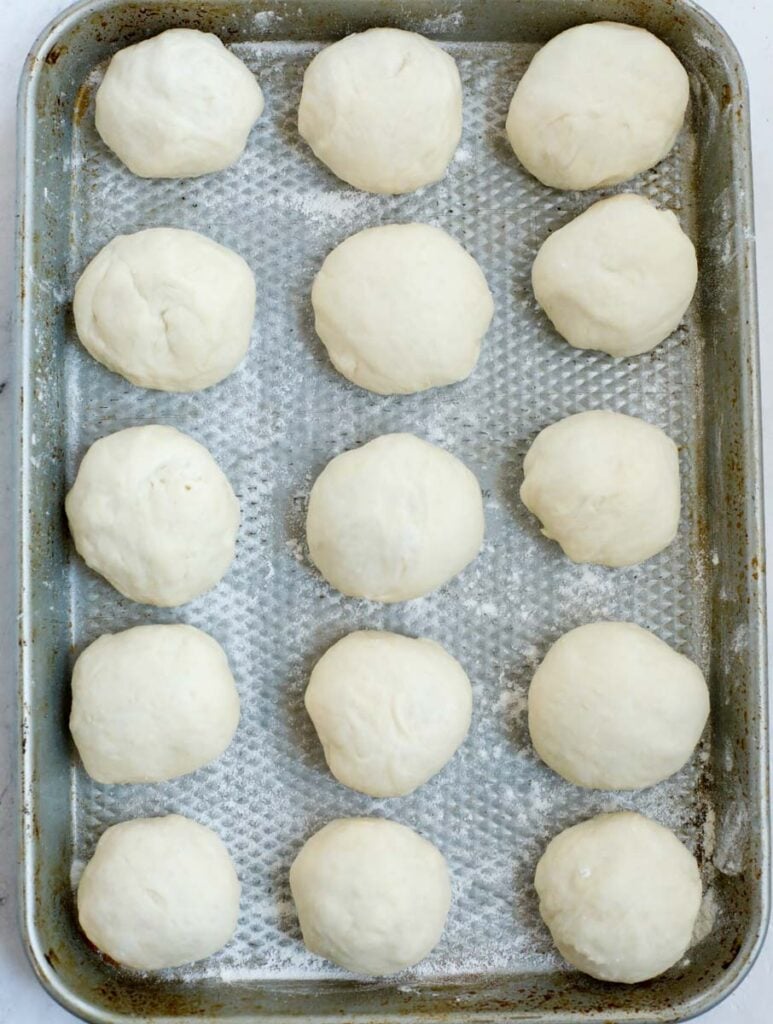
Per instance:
(275,423)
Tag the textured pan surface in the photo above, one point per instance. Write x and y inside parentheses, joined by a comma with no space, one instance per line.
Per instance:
(274,424)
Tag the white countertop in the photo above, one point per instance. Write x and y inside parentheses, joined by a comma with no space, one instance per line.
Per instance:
(22,1000)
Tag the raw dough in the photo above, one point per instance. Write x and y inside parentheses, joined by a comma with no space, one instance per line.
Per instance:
(177,105)
(620,895)
(159,892)
(597,105)
(390,711)
(394,519)
(371,895)
(166,308)
(401,308)
(152,703)
(613,707)
(153,513)
(605,486)
(383,110)
(618,278)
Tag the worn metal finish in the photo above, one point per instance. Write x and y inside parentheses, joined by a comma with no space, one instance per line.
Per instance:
(273,425)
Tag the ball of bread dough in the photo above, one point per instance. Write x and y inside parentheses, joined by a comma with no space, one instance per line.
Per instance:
(618,278)
(159,892)
(597,105)
(152,703)
(177,105)
(390,711)
(394,519)
(401,308)
(614,707)
(620,895)
(166,308)
(151,511)
(605,486)
(383,110)
(371,895)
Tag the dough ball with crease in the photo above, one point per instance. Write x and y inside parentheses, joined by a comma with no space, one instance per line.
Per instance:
(159,892)
(152,512)
(389,710)
(152,703)
(614,707)
(618,278)
(394,519)
(401,308)
(620,895)
(371,895)
(605,486)
(383,110)
(178,105)
(598,104)
(166,308)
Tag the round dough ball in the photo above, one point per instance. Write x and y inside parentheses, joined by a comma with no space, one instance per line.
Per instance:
(166,308)
(401,308)
(177,105)
(159,892)
(597,105)
(605,486)
(390,711)
(620,895)
(151,511)
(152,703)
(394,519)
(371,895)
(383,110)
(618,278)
(614,707)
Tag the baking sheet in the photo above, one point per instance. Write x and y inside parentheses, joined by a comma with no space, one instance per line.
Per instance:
(274,424)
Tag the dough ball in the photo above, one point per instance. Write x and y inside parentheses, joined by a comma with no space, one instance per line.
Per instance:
(390,711)
(597,105)
(618,278)
(394,519)
(401,308)
(151,511)
(159,892)
(620,895)
(383,110)
(371,895)
(152,703)
(166,308)
(177,105)
(605,486)
(613,707)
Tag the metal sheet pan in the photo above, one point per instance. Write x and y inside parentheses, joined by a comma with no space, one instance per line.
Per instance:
(275,423)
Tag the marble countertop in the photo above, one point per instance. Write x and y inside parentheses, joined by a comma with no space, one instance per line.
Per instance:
(22,1000)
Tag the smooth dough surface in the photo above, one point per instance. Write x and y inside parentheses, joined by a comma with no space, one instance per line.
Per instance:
(620,895)
(159,892)
(618,278)
(166,308)
(152,512)
(401,308)
(394,519)
(605,486)
(177,105)
(371,895)
(614,707)
(152,703)
(598,104)
(383,110)
(389,710)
